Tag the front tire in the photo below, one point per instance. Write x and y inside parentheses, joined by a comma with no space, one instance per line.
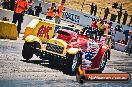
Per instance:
(73,63)
(103,62)
(27,51)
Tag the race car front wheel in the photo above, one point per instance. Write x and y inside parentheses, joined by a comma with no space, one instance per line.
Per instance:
(73,62)
(103,62)
(27,51)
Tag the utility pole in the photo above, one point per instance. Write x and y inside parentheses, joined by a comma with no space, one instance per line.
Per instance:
(82,5)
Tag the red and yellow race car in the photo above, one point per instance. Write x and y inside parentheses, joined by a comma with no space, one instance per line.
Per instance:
(74,51)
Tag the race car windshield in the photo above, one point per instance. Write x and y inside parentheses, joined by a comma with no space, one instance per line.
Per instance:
(63,33)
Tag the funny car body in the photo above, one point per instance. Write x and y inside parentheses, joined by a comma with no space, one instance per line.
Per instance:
(71,50)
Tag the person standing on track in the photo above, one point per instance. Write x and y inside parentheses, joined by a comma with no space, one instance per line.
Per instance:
(59,13)
(6,4)
(50,12)
(12,5)
(20,7)
(38,10)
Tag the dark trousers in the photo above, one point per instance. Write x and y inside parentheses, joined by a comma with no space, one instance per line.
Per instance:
(37,14)
(119,18)
(91,12)
(124,21)
(100,33)
(105,16)
(126,39)
(95,13)
(18,17)
(49,17)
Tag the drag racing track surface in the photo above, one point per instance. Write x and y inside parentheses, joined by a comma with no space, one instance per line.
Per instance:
(16,72)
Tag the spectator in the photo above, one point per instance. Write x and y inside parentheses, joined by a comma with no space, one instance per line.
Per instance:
(50,12)
(20,7)
(6,4)
(120,7)
(59,13)
(12,5)
(106,12)
(119,16)
(92,8)
(30,11)
(115,5)
(125,18)
(130,22)
(38,10)
(95,10)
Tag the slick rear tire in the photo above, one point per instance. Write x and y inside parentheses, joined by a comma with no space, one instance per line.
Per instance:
(102,65)
(27,51)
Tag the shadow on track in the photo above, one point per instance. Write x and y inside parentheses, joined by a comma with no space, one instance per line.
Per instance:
(45,63)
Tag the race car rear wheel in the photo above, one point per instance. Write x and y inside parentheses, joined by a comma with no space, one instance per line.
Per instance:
(73,63)
(27,51)
(103,62)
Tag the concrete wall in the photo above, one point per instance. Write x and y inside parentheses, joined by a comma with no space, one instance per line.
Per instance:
(9,15)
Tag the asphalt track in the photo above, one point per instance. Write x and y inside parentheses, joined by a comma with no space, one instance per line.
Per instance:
(16,72)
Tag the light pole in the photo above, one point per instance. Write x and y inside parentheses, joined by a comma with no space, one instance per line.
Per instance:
(82,5)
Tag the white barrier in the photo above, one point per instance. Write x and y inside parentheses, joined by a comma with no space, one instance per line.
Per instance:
(70,15)
(9,15)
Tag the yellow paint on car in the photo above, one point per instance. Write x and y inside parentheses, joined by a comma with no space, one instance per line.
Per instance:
(73,50)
